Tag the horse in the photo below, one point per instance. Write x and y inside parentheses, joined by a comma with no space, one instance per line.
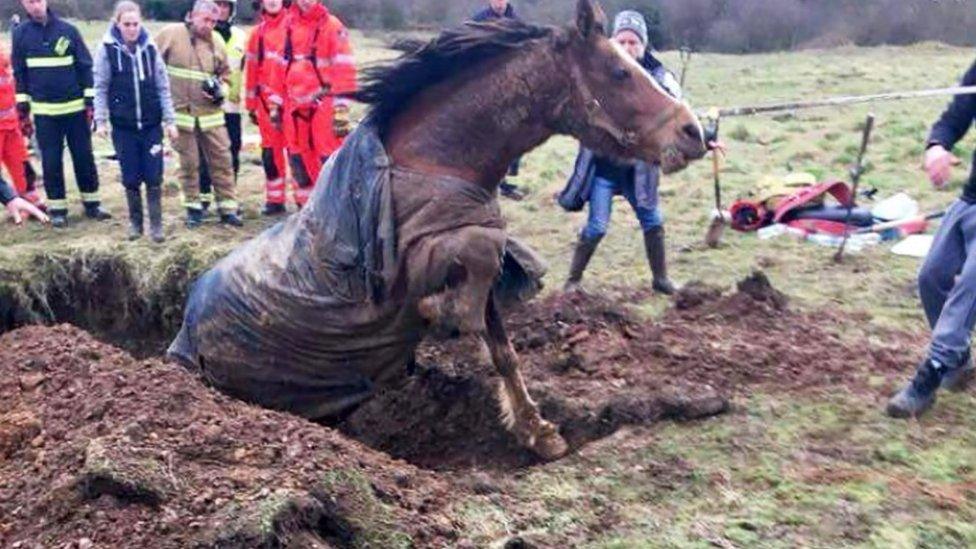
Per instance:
(281,322)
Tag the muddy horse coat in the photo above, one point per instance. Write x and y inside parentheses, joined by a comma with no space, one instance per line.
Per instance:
(403,234)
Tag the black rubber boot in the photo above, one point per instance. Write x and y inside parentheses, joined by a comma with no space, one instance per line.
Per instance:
(154,204)
(271,210)
(919,395)
(656,257)
(95,211)
(231,219)
(133,198)
(194,218)
(581,258)
(59,220)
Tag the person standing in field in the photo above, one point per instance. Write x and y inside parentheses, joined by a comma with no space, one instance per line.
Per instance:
(13,149)
(495,10)
(947,280)
(132,92)
(318,76)
(264,59)
(234,41)
(600,179)
(53,73)
(198,71)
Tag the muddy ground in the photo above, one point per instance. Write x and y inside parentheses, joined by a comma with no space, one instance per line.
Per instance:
(98,449)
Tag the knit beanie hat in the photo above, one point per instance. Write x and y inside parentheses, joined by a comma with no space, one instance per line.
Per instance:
(632,21)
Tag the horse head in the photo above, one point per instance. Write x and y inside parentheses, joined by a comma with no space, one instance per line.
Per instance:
(616,108)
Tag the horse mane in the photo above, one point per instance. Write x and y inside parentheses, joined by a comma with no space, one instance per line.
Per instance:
(389,87)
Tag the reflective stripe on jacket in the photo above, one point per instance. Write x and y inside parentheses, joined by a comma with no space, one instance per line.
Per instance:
(191,61)
(52,67)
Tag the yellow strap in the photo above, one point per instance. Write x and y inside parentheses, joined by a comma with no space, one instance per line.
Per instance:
(91,197)
(57,204)
(50,62)
(58,109)
(23,98)
(89,93)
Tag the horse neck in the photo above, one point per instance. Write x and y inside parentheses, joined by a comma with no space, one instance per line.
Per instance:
(474,126)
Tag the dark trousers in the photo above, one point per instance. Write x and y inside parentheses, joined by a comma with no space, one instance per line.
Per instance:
(234,131)
(52,132)
(140,155)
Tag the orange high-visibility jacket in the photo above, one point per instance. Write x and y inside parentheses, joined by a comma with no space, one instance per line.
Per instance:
(265,61)
(8,93)
(318,56)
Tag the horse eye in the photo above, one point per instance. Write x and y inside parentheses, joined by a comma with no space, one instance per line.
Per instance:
(620,74)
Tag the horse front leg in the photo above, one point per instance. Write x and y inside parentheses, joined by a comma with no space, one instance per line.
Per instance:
(519,413)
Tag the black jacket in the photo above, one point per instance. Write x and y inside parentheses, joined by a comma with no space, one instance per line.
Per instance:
(953,125)
(52,67)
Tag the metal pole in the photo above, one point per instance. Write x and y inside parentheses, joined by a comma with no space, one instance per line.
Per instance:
(857,170)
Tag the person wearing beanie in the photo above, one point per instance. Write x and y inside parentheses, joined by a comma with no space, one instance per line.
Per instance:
(596,180)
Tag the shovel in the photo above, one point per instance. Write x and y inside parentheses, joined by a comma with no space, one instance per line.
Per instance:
(717,226)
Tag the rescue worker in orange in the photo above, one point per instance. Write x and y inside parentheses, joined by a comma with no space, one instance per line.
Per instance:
(319,72)
(264,60)
(13,150)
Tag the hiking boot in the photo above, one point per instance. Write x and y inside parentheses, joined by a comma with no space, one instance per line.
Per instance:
(919,395)
(194,218)
(59,220)
(231,219)
(133,198)
(96,212)
(510,191)
(654,248)
(271,210)
(154,204)
(959,378)
(581,258)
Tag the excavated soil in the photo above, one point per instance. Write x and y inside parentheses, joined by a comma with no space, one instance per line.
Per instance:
(99,448)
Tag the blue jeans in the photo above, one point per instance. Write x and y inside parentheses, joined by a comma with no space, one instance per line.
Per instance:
(947,285)
(601,203)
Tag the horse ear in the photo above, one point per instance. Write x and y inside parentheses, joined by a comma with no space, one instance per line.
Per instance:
(590,19)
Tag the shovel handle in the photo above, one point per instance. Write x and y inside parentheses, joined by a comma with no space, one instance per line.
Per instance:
(718,184)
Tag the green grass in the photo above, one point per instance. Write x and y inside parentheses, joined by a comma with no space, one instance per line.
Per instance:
(819,470)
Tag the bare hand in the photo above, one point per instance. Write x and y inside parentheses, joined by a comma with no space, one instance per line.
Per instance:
(717,146)
(938,165)
(172,133)
(101,130)
(18,207)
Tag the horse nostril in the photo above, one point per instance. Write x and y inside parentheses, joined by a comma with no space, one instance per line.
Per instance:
(693,131)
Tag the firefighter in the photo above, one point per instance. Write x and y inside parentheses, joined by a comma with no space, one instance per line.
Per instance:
(265,57)
(318,74)
(234,40)
(53,72)
(13,150)
(198,72)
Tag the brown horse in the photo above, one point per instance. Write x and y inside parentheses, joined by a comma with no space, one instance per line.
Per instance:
(475,99)
(285,321)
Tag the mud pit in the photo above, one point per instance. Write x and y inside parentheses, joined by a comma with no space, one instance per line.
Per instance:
(95,445)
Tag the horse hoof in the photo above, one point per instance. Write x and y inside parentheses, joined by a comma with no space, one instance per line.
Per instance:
(550,446)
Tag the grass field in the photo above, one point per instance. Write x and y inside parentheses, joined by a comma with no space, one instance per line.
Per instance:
(762,476)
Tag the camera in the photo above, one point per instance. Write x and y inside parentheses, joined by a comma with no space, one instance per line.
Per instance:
(214,88)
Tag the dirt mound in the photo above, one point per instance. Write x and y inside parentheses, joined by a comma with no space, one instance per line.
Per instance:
(97,445)
(594,366)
